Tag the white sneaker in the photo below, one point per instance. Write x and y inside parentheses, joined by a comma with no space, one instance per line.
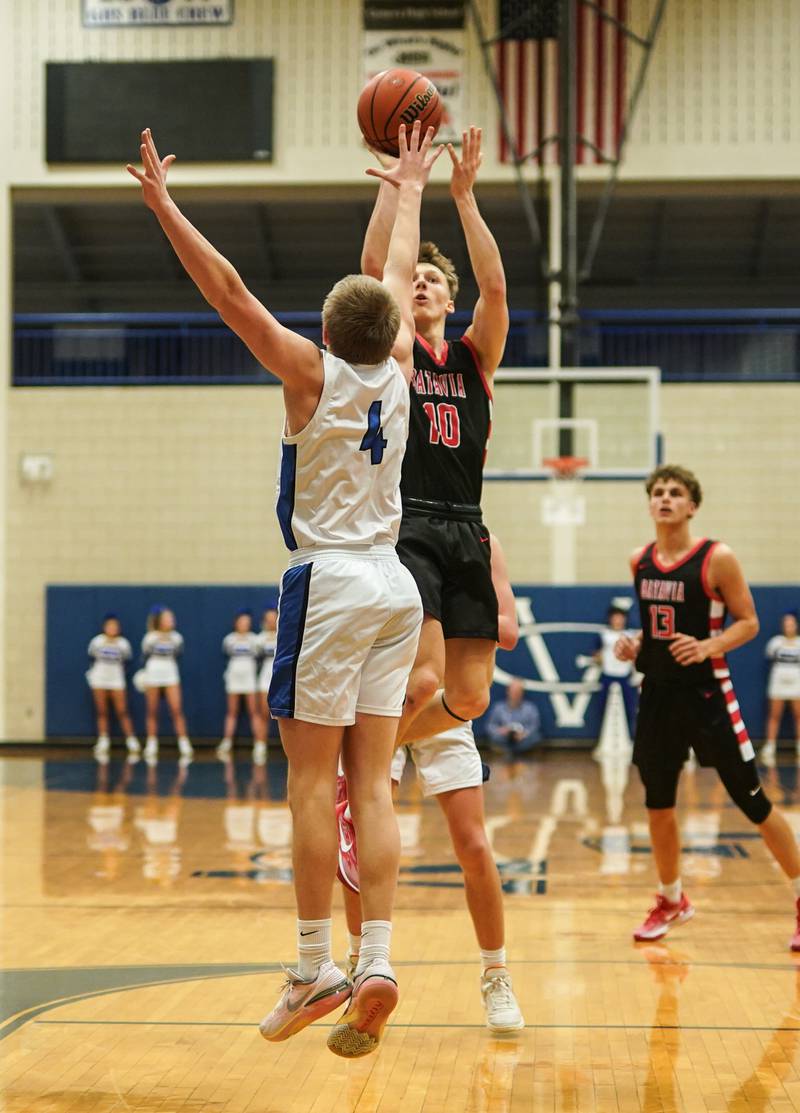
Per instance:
(301,1003)
(361,1025)
(133,745)
(766,755)
(151,751)
(223,750)
(185,748)
(502,1011)
(690,765)
(259,753)
(102,748)
(350,966)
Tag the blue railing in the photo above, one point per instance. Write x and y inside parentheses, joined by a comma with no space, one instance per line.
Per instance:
(138,349)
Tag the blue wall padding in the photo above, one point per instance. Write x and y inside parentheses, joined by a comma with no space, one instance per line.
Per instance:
(205,614)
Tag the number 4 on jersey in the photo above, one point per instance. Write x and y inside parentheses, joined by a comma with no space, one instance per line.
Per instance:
(373,439)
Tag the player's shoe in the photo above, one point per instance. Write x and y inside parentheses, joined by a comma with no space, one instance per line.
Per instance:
(133,745)
(795,943)
(350,965)
(502,1011)
(766,755)
(151,751)
(101,749)
(663,916)
(223,750)
(347,871)
(341,789)
(259,753)
(185,748)
(360,1027)
(301,1003)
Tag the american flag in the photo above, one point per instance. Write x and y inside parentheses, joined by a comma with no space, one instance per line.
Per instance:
(528,75)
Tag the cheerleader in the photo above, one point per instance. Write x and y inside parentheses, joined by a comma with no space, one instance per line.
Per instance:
(109,651)
(161,645)
(784,684)
(242,648)
(267,640)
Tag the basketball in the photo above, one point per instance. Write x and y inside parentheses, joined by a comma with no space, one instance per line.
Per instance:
(396,97)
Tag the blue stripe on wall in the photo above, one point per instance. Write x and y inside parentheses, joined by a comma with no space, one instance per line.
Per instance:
(285,507)
(205,614)
(292,608)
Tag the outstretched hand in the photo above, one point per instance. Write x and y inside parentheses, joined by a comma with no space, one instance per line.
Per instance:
(415,161)
(154,178)
(465,169)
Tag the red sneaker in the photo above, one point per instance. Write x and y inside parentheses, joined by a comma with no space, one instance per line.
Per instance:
(795,943)
(662,916)
(348,857)
(341,788)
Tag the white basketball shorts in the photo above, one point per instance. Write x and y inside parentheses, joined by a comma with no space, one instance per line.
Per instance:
(444,763)
(348,627)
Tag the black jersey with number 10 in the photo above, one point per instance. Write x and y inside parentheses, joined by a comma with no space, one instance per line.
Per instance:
(450,423)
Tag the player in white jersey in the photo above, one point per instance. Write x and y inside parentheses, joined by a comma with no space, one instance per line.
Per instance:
(450,769)
(612,670)
(161,646)
(349,613)
(267,641)
(784,684)
(110,652)
(242,647)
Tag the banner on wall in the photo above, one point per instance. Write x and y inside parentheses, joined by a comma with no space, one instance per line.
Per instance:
(424,37)
(146,13)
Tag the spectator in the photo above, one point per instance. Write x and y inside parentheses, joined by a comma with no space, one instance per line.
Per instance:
(784,684)
(612,670)
(514,725)
(109,652)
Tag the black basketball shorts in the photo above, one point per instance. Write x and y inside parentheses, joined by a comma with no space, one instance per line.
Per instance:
(451,563)
(672,718)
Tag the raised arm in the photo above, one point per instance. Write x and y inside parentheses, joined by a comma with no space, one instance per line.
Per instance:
(507,625)
(489,327)
(295,360)
(409,177)
(379,229)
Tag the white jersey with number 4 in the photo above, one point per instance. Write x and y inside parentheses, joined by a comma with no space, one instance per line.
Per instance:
(339,479)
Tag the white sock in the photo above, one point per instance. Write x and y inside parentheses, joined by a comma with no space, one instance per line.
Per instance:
(152,740)
(103,739)
(672,891)
(354,944)
(132,740)
(493,958)
(796,886)
(376,938)
(313,947)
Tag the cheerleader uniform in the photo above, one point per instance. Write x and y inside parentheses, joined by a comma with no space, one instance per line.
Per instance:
(784,676)
(160,651)
(108,663)
(242,651)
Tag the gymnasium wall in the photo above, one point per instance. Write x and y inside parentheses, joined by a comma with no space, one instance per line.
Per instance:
(175,486)
(574,618)
(718,102)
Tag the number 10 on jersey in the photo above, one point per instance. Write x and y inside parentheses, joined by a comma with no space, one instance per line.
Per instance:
(445,425)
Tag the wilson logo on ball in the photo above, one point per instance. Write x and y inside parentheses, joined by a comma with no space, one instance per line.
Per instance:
(418,105)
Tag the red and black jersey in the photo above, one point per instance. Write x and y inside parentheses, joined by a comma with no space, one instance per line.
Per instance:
(677,599)
(449,427)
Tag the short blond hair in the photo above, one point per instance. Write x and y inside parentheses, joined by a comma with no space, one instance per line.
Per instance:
(430,253)
(361,320)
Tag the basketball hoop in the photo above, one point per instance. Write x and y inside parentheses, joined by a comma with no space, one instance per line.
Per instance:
(565,467)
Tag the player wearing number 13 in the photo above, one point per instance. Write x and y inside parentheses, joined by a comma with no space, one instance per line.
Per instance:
(686,587)
(349,613)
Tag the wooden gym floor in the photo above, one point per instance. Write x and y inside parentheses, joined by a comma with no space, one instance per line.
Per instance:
(146,912)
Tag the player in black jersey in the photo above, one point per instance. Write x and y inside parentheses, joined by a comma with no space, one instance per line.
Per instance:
(686,587)
(443,540)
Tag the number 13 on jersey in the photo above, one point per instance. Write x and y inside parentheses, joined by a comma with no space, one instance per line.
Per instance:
(662,622)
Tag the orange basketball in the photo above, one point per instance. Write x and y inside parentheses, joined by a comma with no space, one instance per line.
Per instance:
(396,97)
